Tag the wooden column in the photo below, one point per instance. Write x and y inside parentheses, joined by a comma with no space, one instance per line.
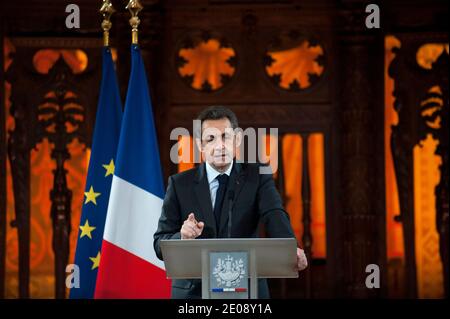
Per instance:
(307,238)
(19,157)
(361,114)
(282,190)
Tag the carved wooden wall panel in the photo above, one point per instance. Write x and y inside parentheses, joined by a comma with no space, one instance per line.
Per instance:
(421,111)
(58,106)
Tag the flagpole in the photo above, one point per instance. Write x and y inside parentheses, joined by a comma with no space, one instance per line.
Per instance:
(134,6)
(106,10)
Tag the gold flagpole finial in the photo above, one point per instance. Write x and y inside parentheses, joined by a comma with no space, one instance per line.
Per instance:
(106,10)
(134,7)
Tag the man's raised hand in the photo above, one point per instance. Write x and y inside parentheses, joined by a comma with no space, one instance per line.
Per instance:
(191,229)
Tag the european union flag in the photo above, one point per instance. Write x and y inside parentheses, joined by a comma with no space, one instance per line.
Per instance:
(99,178)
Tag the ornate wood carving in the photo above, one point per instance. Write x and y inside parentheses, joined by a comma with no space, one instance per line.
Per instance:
(45,106)
(192,41)
(412,85)
(289,40)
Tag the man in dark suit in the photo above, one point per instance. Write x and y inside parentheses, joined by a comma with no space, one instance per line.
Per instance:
(197,201)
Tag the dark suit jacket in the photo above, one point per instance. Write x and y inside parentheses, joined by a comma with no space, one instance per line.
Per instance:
(255,200)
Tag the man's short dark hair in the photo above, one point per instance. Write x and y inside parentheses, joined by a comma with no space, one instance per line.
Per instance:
(217,112)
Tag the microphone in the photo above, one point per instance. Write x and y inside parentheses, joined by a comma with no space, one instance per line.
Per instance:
(230,207)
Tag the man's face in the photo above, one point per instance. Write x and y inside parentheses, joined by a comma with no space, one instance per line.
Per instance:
(218,142)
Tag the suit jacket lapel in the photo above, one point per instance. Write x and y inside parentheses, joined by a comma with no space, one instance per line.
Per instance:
(236,182)
(201,189)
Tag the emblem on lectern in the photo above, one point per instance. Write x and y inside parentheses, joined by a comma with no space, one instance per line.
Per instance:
(229,271)
(228,274)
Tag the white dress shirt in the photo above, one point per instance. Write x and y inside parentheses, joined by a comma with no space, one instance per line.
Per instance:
(211,173)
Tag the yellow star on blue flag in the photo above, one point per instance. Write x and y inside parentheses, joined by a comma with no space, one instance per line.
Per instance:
(104,147)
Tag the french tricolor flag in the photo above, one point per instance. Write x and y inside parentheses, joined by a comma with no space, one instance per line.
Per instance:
(129,267)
